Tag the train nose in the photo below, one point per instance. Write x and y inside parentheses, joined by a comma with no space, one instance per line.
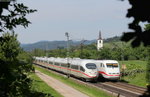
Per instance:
(93,73)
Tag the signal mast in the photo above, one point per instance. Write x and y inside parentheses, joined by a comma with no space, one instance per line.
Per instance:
(67,35)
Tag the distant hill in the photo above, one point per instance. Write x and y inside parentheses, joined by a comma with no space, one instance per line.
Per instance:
(46,45)
(52,44)
(113,39)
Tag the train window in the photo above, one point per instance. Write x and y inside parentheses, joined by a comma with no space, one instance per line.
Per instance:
(101,65)
(115,65)
(64,65)
(91,66)
(74,67)
(82,69)
(112,65)
(51,63)
(57,64)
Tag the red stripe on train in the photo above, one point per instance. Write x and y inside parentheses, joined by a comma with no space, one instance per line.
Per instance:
(71,70)
(108,74)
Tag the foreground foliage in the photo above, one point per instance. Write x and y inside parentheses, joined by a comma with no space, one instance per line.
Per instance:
(15,15)
(139,13)
(13,71)
(15,64)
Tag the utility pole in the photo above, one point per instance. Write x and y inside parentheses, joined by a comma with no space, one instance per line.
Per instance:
(46,49)
(67,35)
(81,53)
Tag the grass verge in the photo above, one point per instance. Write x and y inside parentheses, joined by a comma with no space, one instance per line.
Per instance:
(40,86)
(137,79)
(90,91)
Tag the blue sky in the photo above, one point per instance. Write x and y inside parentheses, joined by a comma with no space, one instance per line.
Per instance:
(81,18)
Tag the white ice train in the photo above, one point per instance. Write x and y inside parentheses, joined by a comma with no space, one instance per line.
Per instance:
(108,69)
(86,69)
(80,68)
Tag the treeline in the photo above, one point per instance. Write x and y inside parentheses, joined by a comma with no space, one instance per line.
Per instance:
(112,50)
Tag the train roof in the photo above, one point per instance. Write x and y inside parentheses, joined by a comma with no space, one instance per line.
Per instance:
(107,61)
(80,61)
(76,61)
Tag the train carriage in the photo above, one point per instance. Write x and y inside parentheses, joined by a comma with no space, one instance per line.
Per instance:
(51,62)
(85,69)
(108,69)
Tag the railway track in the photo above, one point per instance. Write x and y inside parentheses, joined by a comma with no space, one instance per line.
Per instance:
(119,89)
(122,89)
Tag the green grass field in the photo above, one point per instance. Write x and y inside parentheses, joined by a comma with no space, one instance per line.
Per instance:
(133,64)
(138,79)
(90,91)
(40,86)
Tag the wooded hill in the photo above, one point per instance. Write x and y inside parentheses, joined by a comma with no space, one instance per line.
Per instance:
(49,45)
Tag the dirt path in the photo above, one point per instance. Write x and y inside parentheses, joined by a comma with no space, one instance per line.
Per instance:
(62,88)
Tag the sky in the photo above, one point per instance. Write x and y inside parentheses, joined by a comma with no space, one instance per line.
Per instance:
(82,19)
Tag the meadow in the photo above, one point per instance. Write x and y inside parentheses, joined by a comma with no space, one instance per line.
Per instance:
(138,79)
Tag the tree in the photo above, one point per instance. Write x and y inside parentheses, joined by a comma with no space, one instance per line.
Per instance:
(139,11)
(105,53)
(15,65)
(13,78)
(147,26)
(16,15)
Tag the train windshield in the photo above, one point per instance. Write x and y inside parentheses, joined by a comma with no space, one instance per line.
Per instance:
(109,65)
(90,66)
